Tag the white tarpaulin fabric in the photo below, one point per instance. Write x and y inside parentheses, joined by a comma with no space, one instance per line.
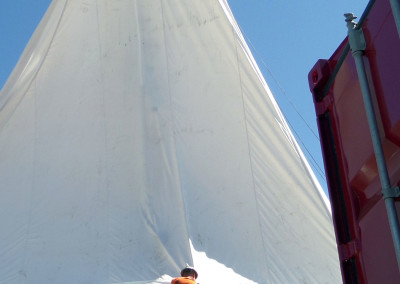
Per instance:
(138,136)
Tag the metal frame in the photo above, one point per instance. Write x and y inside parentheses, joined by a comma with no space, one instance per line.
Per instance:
(358,46)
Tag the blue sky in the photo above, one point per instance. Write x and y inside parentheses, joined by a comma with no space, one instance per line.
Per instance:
(286,37)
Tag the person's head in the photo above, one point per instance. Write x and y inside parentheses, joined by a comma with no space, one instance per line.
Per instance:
(189,271)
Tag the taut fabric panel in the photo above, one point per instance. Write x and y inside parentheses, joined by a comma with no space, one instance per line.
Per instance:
(138,136)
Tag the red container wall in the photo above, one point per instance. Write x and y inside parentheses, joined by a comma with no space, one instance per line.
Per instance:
(364,240)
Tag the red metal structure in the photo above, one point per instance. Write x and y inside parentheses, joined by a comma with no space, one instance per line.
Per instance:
(365,244)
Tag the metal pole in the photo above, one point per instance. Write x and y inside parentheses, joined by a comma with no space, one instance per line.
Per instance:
(396,13)
(358,45)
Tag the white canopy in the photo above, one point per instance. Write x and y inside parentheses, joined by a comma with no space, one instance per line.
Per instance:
(138,136)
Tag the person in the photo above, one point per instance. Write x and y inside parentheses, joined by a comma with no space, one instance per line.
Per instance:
(188,276)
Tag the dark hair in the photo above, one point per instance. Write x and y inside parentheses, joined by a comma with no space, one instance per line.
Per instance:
(189,271)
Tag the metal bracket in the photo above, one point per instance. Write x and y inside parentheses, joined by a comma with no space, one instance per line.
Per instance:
(391,192)
(348,250)
(356,35)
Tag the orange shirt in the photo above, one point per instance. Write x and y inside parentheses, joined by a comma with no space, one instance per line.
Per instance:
(183,280)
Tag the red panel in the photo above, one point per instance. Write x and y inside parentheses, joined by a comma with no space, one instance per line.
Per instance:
(364,240)
(384,59)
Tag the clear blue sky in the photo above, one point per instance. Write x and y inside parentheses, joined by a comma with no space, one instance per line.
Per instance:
(287,38)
